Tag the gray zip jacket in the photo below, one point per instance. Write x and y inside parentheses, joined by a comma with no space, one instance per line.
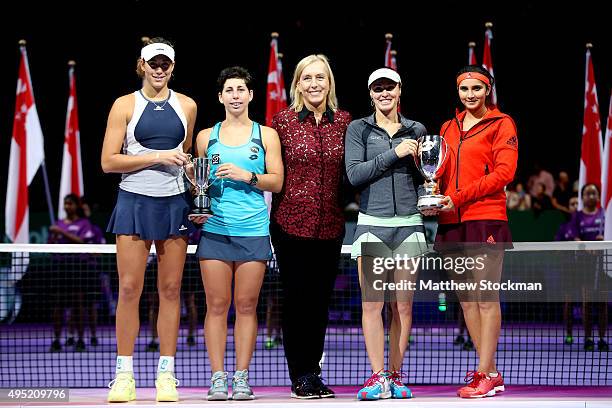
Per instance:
(389,185)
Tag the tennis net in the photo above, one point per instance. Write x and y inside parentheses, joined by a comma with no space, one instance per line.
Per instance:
(72,290)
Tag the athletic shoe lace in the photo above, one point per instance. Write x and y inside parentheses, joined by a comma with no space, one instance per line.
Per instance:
(375,378)
(240,380)
(122,381)
(396,378)
(167,380)
(218,380)
(474,378)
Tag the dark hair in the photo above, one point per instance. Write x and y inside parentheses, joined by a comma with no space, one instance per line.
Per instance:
(587,185)
(77,200)
(480,70)
(154,40)
(157,40)
(234,72)
(73,197)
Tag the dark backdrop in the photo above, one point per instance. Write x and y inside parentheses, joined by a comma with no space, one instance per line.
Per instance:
(538,55)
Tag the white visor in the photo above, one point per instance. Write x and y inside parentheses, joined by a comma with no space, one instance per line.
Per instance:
(152,50)
(384,73)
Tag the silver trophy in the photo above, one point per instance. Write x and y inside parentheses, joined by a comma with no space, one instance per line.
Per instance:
(431,155)
(200,180)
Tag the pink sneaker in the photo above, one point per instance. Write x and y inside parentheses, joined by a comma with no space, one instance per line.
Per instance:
(480,385)
(498,383)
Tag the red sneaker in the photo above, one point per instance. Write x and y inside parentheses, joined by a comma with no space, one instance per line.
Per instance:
(498,383)
(480,385)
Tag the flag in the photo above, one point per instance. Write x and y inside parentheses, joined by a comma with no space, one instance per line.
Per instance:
(393,64)
(27,155)
(471,54)
(591,150)
(487,61)
(388,56)
(606,178)
(276,99)
(72,173)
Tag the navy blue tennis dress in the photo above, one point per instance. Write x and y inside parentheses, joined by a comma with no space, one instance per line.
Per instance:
(153,202)
(240,227)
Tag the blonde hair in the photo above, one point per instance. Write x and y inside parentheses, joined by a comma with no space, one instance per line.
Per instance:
(297,99)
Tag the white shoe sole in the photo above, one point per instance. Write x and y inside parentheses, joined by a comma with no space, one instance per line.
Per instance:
(217,397)
(488,394)
(242,397)
(294,395)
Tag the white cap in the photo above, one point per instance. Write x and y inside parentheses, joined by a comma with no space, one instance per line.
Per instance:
(384,73)
(151,50)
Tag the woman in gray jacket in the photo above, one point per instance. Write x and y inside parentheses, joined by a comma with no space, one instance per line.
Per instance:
(380,151)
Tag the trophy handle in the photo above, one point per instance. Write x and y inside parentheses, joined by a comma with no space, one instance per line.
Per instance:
(184,172)
(443,146)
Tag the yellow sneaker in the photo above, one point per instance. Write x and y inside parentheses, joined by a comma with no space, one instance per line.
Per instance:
(166,387)
(122,388)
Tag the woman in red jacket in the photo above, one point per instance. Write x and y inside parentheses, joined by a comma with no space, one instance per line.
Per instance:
(482,156)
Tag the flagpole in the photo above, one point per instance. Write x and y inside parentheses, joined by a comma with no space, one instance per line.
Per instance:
(388,38)
(22,43)
(472,53)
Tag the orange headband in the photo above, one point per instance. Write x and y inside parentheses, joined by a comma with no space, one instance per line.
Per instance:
(473,75)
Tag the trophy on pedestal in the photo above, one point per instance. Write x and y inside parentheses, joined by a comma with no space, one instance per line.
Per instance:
(431,155)
(201,182)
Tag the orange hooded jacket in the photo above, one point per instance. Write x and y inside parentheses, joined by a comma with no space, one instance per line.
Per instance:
(480,163)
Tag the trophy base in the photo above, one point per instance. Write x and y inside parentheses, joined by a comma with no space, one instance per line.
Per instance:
(429,202)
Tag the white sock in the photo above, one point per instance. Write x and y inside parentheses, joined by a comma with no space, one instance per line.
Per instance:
(166,364)
(124,364)
(493,374)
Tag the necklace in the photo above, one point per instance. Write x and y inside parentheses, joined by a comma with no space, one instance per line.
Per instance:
(157,107)
(160,107)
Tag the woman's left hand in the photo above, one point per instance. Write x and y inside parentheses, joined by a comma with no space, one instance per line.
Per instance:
(232,172)
(447,204)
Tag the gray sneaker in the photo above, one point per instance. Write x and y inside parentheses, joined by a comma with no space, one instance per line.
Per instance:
(218,387)
(241,390)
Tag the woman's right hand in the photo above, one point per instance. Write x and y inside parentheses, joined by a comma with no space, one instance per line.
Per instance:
(199,219)
(406,147)
(55,229)
(430,212)
(171,158)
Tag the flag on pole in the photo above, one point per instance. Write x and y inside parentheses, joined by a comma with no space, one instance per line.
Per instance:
(487,60)
(606,178)
(72,172)
(591,150)
(393,64)
(388,56)
(27,155)
(276,99)
(471,54)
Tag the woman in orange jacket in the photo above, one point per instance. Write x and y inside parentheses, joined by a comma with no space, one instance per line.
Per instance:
(482,155)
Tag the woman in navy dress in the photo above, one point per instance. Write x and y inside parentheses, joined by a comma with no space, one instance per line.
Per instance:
(147,135)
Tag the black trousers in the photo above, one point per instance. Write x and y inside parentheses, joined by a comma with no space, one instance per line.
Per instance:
(308,269)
